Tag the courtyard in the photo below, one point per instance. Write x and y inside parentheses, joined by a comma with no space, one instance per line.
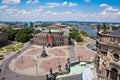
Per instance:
(31,63)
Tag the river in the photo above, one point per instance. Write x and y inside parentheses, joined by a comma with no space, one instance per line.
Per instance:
(90,31)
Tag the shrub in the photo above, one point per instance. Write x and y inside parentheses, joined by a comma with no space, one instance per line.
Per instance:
(92,37)
(78,38)
(84,33)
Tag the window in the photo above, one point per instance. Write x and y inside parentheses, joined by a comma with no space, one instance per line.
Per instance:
(116,57)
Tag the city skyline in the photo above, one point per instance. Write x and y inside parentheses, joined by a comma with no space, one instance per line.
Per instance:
(60,10)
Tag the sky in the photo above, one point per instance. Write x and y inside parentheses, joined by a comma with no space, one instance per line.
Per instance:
(60,10)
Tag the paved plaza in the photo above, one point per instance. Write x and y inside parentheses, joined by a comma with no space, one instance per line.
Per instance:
(29,65)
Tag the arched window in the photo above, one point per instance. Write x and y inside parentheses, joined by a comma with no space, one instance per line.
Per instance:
(114,74)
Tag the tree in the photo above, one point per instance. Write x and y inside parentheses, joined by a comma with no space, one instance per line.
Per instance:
(46,24)
(23,37)
(36,31)
(84,33)
(78,38)
(73,34)
(25,34)
(115,27)
(11,34)
(26,30)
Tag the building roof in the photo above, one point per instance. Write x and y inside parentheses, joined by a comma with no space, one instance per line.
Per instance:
(52,30)
(116,32)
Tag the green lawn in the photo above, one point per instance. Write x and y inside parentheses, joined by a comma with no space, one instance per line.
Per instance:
(12,47)
(1,49)
(82,43)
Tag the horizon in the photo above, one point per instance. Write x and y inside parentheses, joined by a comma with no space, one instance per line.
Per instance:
(60,10)
(64,21)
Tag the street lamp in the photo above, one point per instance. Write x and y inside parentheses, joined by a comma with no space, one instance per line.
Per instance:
(36,68)
(37,64)
(59,66)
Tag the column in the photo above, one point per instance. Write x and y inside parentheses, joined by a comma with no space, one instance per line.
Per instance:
(118,77)
(109,75)
(106,74)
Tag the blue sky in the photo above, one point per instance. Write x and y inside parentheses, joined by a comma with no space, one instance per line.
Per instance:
(60,10)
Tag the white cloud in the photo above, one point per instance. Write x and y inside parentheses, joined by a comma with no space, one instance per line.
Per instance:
(87,0)
(11,1)
(104,5)
(53,4)
(108,8)
(104,13)
(68,13)
(40,14)
(118,13)
(45,7)
(9,12)
(64,3)
(32,1)
(3,7)
(22,12)
(35,1)
(12,13)
(72,4)
(109,13)
(111,9)
(28,1)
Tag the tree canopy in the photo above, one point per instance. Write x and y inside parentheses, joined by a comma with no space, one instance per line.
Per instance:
(25,34)
(73,34)
(84,33)
(76,35)
(11,33)
(78,38)
(21,35)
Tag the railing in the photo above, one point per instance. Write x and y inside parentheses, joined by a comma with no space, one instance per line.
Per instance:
(99,79)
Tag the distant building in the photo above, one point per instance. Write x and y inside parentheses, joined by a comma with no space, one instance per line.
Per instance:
(3,37)
(4,26)
(30,24)
(52,27)
(51,38)
(58,23)
(107,60)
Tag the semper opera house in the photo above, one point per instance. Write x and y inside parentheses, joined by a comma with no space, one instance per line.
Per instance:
(107,59)
(51,37)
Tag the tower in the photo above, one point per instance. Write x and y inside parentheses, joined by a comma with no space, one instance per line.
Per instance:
(98,27)
(104,28)
(30,24)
